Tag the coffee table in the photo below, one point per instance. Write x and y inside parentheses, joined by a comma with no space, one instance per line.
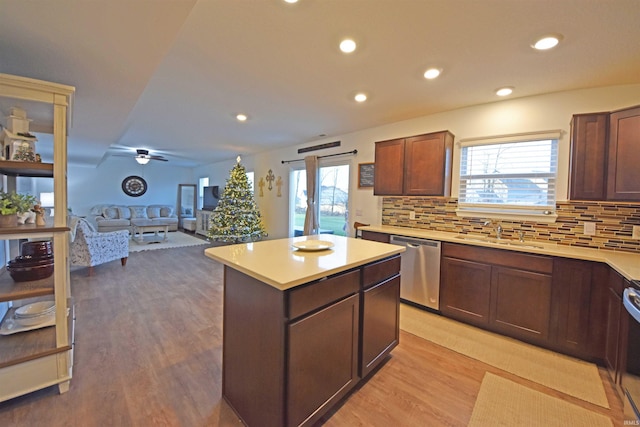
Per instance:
(140,227)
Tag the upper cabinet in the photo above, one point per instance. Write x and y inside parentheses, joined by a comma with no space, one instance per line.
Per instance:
(414,166)
(605,153)
(589,134)
(623,173)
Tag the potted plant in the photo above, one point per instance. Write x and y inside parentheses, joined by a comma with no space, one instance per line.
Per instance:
(12,205)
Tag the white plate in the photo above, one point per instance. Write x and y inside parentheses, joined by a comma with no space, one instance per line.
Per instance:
(35,309)
(312,245)
(10,326)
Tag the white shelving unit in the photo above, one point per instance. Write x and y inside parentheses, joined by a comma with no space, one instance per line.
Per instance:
(43,357)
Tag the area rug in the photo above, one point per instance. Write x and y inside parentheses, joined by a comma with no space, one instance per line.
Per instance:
(177,239)
(563,373)
(502,402)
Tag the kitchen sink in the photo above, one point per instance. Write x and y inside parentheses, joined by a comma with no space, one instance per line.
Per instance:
(506,242)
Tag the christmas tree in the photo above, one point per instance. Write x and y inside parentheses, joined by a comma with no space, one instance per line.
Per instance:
(236,219)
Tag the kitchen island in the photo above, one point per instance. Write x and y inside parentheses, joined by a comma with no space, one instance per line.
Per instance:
(302,327)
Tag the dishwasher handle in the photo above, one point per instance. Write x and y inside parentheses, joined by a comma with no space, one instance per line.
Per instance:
(412,242)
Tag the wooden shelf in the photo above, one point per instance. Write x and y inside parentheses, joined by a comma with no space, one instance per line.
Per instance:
(24,346)
(28,229)
(12,291)
(30,169)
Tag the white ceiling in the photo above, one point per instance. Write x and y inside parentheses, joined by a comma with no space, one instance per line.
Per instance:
(169,76)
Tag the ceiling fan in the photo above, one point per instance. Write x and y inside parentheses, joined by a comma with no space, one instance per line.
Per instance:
(143,157)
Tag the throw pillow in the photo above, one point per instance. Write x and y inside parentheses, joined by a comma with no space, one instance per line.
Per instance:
(166,211)
(110,213)
(124,212)
(153,212)
(138,211)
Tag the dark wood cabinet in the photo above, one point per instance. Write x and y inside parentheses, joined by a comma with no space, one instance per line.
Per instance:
(380,323)
(380,310)
(323,359)
(388,179)
(375,236)
(571,306)
(614,316)
(623,172)
(414,166)
(465,290)
(503,291)
(521,303)
(589,134)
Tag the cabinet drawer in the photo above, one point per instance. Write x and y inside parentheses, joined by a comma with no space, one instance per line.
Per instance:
(506,258)
(375,236)
(379,271)
(325,291)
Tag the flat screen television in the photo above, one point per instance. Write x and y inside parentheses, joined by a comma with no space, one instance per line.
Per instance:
(210,198)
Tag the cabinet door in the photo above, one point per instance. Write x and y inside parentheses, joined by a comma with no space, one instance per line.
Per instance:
(375,236)
(389,165)
(571,305)
(521,304)
(323,360)
(427,164)
(465,290)
(614,312)
(380,323)
(589,134)
(623,172)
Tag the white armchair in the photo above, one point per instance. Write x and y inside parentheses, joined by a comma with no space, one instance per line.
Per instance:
(90,247)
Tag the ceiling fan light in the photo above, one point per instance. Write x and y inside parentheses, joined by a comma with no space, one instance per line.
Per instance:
(142,160)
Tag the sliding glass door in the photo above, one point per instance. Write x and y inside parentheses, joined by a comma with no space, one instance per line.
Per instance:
(333,196)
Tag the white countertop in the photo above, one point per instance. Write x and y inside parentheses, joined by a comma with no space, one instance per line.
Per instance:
(277,263)
(625,263)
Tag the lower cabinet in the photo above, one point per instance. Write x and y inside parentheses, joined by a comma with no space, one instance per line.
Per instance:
(503,291)
(614,343)
(380,323)
(323,359)
(465,290)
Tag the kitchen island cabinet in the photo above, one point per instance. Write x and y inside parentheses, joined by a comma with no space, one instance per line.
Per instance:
(302,328)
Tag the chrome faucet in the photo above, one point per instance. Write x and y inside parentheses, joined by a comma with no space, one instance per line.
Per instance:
(496,226)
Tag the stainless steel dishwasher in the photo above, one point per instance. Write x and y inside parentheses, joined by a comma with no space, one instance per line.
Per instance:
(419,271)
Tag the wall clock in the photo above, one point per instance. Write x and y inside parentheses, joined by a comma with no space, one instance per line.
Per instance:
(134,186)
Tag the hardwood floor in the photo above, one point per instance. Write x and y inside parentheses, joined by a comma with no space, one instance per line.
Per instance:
(148,352)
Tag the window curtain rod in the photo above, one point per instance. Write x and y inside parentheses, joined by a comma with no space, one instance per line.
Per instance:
(322,157)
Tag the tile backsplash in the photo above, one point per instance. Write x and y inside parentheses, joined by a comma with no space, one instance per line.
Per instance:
(614,222)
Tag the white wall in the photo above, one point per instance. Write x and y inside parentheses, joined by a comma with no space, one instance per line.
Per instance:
(539,113)
(89,186)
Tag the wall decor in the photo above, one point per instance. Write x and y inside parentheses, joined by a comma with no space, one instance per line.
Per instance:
(279,185)
(270,178)
(261,185)
(134,186)
(365,175)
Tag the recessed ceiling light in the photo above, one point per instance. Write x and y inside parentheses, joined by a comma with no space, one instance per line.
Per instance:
(242,117)
(547,42)
(432,73)
(347,45)
(360,97)
(504,91)
(291,1)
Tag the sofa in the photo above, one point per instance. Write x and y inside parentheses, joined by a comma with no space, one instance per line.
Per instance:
(118,217)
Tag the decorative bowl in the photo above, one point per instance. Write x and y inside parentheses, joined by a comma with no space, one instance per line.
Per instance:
(36,249)
(25,274)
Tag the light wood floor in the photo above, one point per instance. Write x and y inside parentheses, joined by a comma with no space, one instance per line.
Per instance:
(148,352)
